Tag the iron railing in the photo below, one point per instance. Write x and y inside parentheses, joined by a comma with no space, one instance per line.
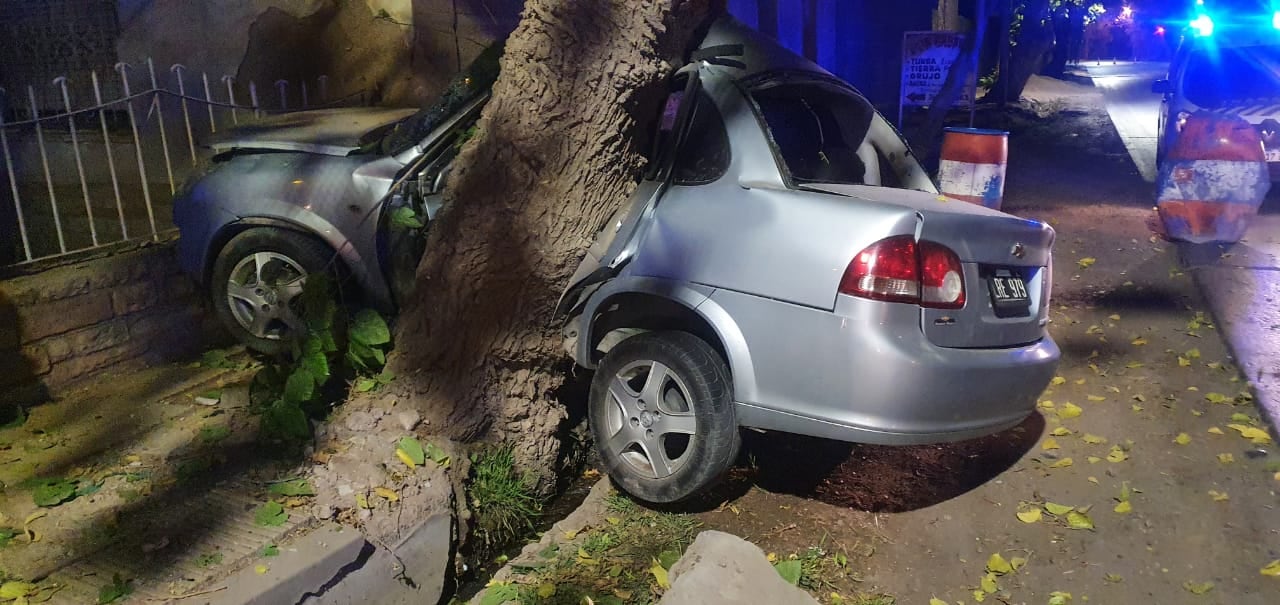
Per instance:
(115,155)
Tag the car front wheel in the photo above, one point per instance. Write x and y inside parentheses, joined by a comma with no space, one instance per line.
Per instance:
(662,416)
(256,279)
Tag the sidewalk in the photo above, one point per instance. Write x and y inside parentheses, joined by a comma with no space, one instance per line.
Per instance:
(1241,282)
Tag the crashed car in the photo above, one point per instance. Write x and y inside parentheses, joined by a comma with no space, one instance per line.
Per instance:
(788,266)
(784,265)
(320,191)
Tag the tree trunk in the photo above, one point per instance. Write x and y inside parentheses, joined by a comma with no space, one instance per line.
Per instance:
(557,151)
(928,137)
(1028,57)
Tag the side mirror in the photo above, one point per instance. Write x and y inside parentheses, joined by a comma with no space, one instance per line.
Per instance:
(1162,87)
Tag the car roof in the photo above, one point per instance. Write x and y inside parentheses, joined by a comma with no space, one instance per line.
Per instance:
(760,53)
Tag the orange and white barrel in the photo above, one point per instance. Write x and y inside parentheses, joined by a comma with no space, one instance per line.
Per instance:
(973,165)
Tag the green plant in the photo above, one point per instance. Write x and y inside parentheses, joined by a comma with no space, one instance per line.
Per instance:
(288,392)
(209,560)
(115,591)
(502,499)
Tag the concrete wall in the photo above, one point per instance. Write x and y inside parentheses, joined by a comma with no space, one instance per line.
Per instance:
(112,313)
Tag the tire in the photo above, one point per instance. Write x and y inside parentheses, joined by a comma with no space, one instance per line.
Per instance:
(264,318)
(695,407)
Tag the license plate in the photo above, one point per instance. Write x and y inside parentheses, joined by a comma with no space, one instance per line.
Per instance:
(1273,155)
(1009,295)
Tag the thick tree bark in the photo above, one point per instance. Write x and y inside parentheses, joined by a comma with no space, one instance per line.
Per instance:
(556,153)
(1029,56)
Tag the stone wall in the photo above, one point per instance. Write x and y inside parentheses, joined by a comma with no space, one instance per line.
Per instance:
(114,313)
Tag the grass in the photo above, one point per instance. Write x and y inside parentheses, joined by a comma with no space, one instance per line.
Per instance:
(502,499)
(611,564)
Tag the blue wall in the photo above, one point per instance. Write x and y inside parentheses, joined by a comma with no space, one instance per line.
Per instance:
(858,40)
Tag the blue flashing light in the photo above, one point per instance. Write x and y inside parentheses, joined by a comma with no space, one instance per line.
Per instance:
(1275,19)
(1204,25)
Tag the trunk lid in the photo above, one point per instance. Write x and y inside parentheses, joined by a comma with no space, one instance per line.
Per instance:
(997,250)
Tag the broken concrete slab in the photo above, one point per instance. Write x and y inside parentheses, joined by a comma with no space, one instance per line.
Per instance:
(720,568)
(303,567)
(337,566)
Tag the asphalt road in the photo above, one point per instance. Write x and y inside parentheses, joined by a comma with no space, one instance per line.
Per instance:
(1134,109)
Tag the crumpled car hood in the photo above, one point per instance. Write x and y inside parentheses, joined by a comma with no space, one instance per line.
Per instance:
(325,131)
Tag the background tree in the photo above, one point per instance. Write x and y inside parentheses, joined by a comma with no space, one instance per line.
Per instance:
(557,151)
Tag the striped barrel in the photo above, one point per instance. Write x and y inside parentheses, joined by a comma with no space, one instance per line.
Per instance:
(973,165)
(1213,179)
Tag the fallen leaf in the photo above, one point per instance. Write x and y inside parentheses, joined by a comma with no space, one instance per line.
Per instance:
(1093,439)
(1124,507)
(1058,380)
(260,569)
(1137,342)
(1050,444)
(1197,588)
(1069,410)
(1117,454)
(1134,365)
(1214,365)
(15,589)
(571,534)
(1058,597)
(1029,516)
(1217,398)
(1094,459)
(979,595)
(1113,578)
(1183,362)
(1096,398)
(1064,463)
(1046,404)
(1086,262)
(937,601)
(295,487)
(997,565)
(988,583)
(1219,496)
(1079,520)
(1252,433)
(1061,431)
(1226,458)
(362,501)
(1114,317)
(546,590)
(1197,413)
(1216,431)
(1135,407)
(33,535)
(1058,509)
(405,458)
(613,520)
(389,494)
(1240,417)
(1017,562)
(790,570)
(1182,439)
(1271,569)
(1094,480)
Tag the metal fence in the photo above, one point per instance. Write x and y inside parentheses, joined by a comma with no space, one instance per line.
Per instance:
(101,172)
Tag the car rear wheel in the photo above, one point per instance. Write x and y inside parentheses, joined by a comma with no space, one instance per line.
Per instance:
(662,415)
(256,280)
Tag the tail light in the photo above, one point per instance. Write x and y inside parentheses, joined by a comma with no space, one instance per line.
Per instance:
(898,269)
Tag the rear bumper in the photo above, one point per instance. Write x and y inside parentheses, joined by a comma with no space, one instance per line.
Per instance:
(866,373)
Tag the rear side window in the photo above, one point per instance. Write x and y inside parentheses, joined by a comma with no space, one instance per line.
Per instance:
(817,131)
(704,155)
(1229,77)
